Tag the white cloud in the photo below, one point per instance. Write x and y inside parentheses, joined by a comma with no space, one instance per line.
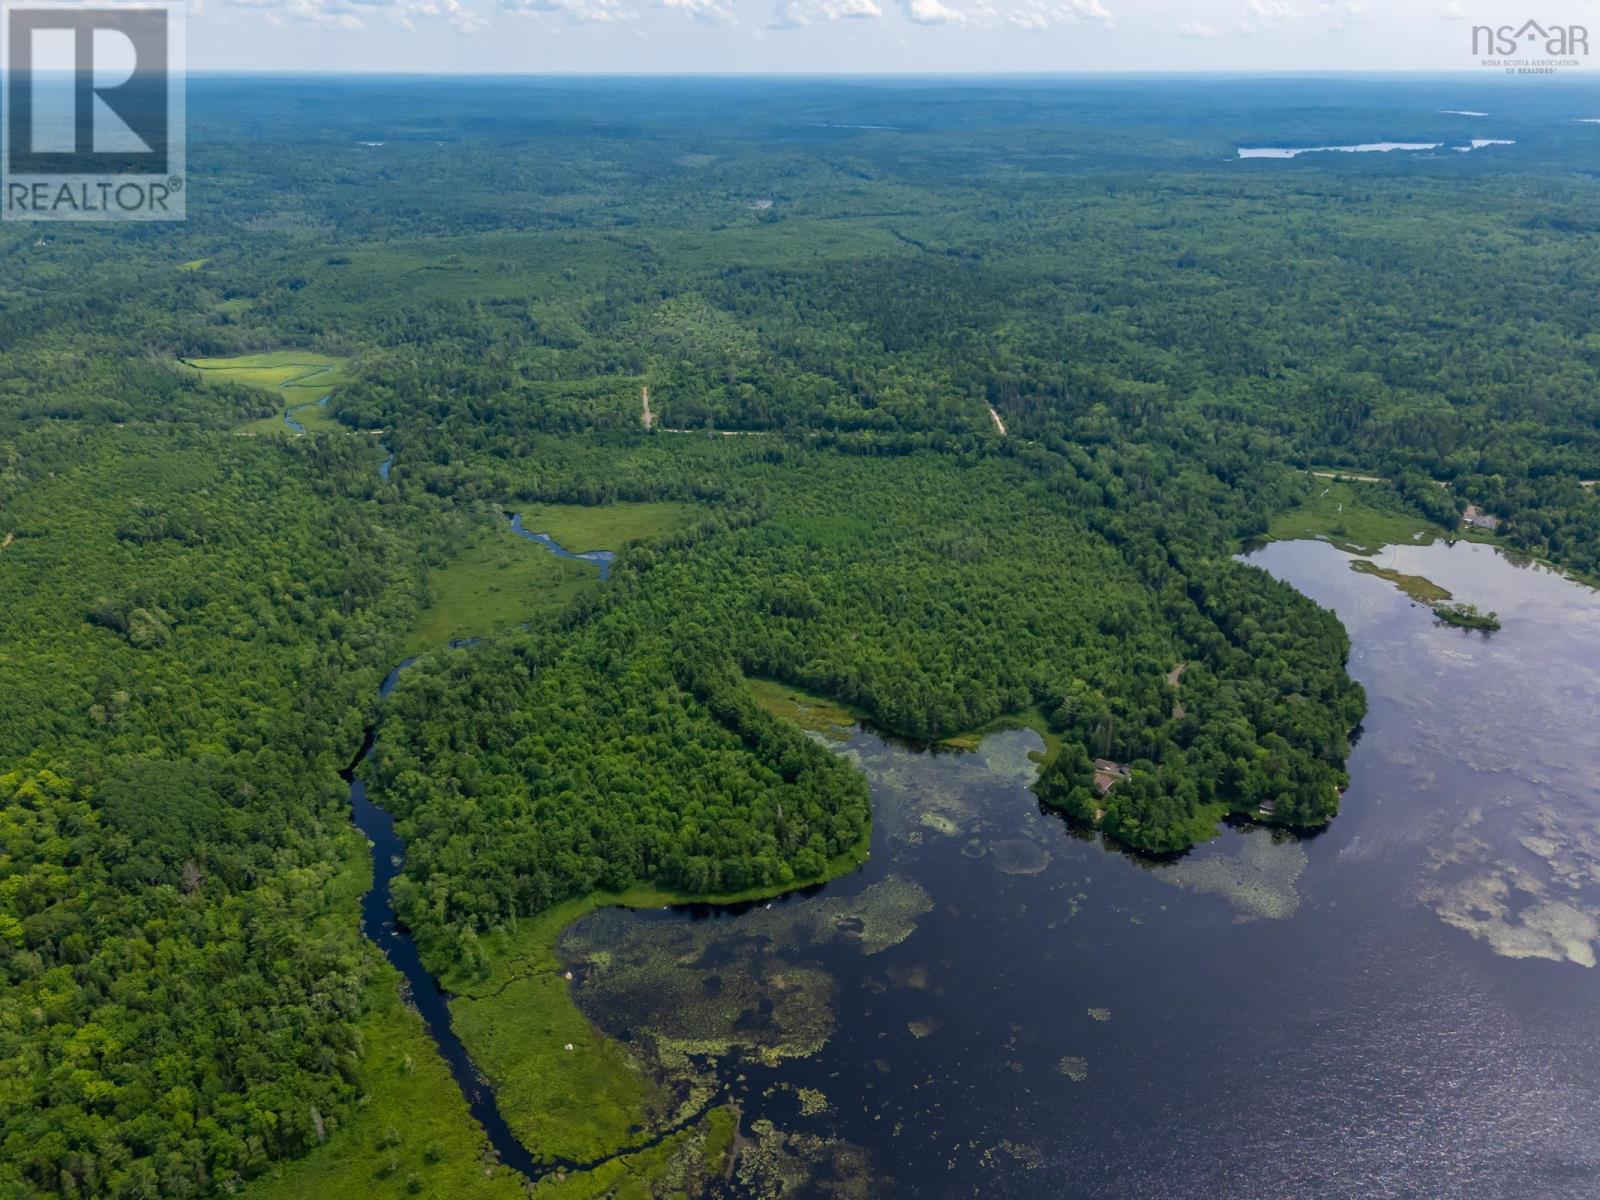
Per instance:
(1259,14)
(586,11)
(710,11)
(1037,16)
(1453,12)
(796,14)
(453,11)
(1344,13)
(1196,29)
(932,12)
(354,14)
(800,13)
(323,14)
(850,10)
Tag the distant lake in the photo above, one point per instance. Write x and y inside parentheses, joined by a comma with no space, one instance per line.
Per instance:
(1402,1006)
(1363,148)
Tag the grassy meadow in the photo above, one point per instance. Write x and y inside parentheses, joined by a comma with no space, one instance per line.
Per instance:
(498,581)
(814,714)
(581,528)
(502,580)
(300,376)
(1353,516)
(297,379)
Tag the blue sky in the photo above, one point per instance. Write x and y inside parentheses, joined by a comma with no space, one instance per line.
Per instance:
(852,36)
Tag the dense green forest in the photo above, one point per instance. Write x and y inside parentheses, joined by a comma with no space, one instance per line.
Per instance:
(970,424)
(189,628)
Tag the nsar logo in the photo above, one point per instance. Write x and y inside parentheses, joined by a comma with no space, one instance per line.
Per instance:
(1531,48)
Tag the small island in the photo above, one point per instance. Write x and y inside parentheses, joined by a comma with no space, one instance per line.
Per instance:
(1467,616)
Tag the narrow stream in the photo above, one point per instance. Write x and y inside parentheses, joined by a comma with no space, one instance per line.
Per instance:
(288,417)
(383,928)
(600,558)
(381,925)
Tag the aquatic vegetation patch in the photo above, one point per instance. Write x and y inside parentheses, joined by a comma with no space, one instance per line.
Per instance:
(1015,754)
(917,977)
(1423,591)
(681,1165)
(1569,847)
(1019,856)
(883,915)
(946,792)
(685,992)
(1074,1068)
(1258,880)
(910,802)
(688,995)
(1029,1158)
(812,1102)
(776,1164)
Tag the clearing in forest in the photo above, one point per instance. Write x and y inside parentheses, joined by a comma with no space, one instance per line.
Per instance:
(298,379)
(502,580)
(581,528)
(1354,516)
(498,581)
(299,376)
(814,713)
(1354,478)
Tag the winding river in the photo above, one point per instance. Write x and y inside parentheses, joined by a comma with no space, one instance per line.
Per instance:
(382,927)
(288,418)
(1404,1005)
(600,558)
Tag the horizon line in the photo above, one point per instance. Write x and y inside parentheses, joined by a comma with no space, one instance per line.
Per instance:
(1097,73)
